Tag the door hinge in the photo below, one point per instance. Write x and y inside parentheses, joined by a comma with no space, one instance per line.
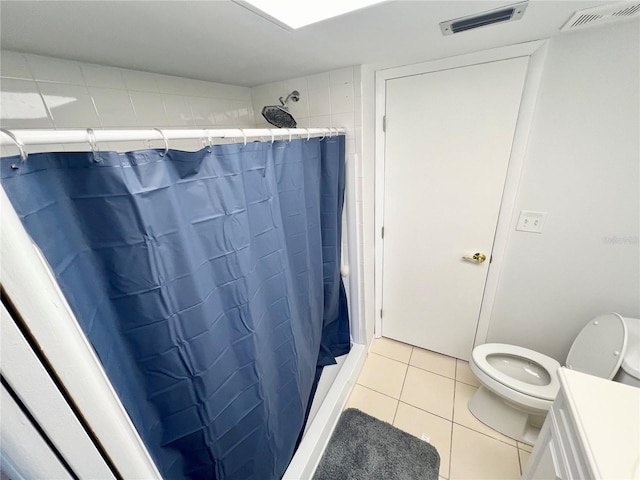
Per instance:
(382,232)
(384,123)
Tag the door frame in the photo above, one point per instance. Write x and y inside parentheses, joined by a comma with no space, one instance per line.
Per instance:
(536,51)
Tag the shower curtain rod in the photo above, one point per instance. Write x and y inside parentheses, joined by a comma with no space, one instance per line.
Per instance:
(22,138)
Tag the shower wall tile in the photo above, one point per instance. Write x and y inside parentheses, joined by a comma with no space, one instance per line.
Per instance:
(320,81)
(99,76)
(114,107)
(171,84)
(344,120)
(270,92)
(319,121)
(141,81)
(342,98)
(179,112)
(301,107)
(14,65)
(149,109)
(22,105)
(204,111)
(70,105)
(46,92)
(342,76)
(47,69)
(319,102)
(300,84)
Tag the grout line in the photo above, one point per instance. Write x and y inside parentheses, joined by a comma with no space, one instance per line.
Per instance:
(400,395)
(374,390)
(451,450)
(453,408)
(390,358)
(519,460)
(453,403)
(488,436)
(431,371)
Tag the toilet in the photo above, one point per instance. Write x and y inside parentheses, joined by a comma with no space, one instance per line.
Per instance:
(519,385)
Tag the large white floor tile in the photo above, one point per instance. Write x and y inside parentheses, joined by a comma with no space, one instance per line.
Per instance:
(476,456)
(525,446)
(429,391)
(392,348)
(420,423)
(373,403)
(383,375)
(524,458)
(434,362)
(463,416)
(464,373)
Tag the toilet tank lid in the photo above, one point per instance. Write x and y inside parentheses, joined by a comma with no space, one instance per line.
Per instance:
(600,346)
(631,361)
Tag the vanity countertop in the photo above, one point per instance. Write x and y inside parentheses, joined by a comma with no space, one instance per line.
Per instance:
(606,416)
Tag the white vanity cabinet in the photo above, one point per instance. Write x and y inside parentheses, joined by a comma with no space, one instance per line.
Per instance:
(591,432)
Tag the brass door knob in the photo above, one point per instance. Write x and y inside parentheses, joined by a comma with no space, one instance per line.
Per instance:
(477,257)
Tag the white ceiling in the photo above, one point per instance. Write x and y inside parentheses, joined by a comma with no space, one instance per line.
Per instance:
(221,41)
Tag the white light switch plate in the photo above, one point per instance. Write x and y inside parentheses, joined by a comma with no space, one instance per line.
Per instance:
(531,221)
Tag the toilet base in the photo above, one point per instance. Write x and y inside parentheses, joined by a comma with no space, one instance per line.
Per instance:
(504,417)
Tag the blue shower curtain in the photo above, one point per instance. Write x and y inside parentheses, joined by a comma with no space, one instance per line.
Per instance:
(208,284)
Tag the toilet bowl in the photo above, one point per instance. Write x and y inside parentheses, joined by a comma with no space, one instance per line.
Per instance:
(519,385)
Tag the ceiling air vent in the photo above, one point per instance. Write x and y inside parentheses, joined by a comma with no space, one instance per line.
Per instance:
(602,14)
(499,15)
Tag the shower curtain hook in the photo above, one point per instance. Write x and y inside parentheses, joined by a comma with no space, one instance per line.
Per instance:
(273,137)
(93,145)
(21,148)
(244,135)
(166,142)
(209,140)
(308,134)
(289,131)
(323,135)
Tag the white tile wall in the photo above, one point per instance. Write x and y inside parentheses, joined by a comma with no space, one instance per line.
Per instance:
(46,92)
(330,99)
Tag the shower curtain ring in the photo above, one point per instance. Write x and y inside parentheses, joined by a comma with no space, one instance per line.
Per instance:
(273,137)
(91,138)
(209,140)
(19,144)
(289,131)
(323,134)
(308,134)
(244,135)
(166,142)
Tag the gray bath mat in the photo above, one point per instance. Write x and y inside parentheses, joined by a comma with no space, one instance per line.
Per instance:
(365,448)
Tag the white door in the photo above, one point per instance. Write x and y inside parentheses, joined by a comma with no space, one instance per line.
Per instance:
(447,147)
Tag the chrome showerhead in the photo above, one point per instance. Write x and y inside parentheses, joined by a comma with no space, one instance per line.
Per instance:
(279,115)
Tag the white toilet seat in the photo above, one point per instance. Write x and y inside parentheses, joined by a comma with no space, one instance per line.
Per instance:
(544,392)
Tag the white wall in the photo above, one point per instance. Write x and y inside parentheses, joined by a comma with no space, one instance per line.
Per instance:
(582,166)
(46,92)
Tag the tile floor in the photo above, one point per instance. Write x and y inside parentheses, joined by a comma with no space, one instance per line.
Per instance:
(426,394)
